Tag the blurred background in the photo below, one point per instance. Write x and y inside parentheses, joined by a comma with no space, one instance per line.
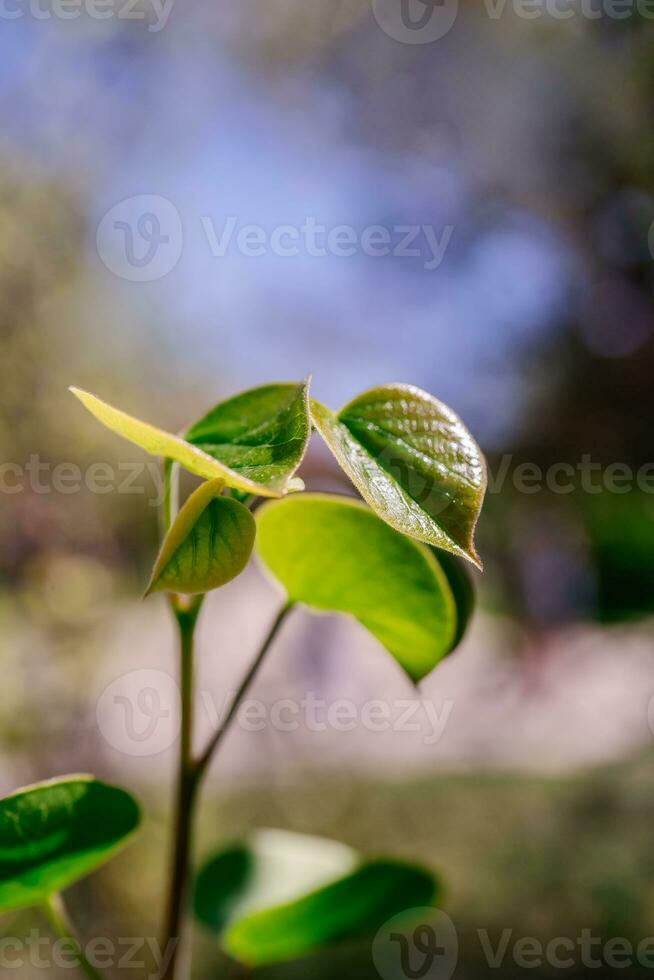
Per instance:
(174,184)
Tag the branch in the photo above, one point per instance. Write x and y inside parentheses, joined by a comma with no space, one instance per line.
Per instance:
(204,760)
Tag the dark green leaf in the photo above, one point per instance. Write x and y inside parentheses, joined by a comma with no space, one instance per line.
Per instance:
(220,883)
(208,544)
(413,461)
(261,434)
(463,590)
(332,553)
(300,894)
(54,833)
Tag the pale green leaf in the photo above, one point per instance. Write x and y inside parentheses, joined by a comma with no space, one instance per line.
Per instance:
(413,461)
(208,544)
(52,834)
(262,434)
(333,554)
(279,896)
(159,443)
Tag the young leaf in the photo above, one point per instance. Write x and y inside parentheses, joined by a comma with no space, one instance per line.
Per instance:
(159,443)
(327,896)
(333,554)
(413,461)
(208,544)
(54,833)
(261,434)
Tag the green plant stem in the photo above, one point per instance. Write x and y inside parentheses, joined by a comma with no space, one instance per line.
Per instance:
(55,912)
(186,618)
(191,770)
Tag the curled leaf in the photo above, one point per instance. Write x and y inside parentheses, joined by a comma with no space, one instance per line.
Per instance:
(413,461)
(157,442)
(262,434)
(208,544)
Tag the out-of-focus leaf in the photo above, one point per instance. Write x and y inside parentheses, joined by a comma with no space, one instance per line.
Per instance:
(54,833)
(262,434)
(333,554)
(159,443)
(270,868)
(208,544)
(295,895)
(413,461)
(463,590)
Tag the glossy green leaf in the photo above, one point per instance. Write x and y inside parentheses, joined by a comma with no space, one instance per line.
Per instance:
(208,544)
(413,461)
(157,442)
(333,554)
(292,895)
(262,434)
(54,833)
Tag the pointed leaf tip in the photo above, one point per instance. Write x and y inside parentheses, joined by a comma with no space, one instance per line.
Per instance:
(164,444)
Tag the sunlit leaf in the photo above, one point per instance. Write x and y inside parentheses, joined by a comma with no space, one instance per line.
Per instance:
(262,434)
(54,833)
(159,443)
(413,461)
(281,896)
(208,544)
(332,553)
